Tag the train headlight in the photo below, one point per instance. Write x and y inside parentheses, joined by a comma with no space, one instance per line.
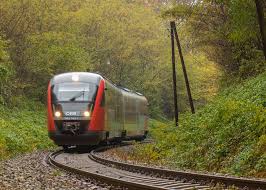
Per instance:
(57,114)
(86,113)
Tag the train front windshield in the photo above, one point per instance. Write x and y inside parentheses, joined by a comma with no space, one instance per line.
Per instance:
(74,92)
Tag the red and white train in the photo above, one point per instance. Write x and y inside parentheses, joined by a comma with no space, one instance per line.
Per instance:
(86,109)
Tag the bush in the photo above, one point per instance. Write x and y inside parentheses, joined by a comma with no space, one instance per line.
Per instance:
(6,71)
(228,135)
(23,128)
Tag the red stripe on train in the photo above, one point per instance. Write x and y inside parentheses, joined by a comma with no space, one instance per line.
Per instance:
(97,119)
(50,122)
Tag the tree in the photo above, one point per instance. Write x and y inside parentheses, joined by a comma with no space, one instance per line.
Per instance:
(227,31)
(261,21)
(6,68)
(50,37)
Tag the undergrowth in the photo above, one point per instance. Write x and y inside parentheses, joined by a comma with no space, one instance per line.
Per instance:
(22,128)
(227,136)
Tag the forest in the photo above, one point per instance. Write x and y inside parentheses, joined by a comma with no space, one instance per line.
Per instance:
(128,41)
(38,39)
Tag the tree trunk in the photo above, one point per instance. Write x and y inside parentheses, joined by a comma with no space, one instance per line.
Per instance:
(260,14)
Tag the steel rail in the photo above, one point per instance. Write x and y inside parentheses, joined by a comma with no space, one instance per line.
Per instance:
(96,176)
(243,183)
(133,181)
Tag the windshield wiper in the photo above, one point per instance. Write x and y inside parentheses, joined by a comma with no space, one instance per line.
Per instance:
(77,95)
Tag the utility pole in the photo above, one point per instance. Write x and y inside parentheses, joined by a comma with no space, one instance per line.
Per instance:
(172,24)
(184,69)
(261,19)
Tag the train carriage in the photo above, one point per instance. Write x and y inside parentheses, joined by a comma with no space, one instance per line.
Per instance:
(86,109)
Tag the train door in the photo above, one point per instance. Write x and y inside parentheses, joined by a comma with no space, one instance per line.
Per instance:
(126,113)
(113,111)
(142,116)
(123,110)
(110,109)
(116,121)
(119,111)
(139,116)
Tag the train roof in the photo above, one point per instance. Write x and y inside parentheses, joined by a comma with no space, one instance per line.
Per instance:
(77,76)
(132,94)
(87,77)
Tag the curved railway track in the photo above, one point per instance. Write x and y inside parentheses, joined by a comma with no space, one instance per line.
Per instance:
(242,183)
(139,177)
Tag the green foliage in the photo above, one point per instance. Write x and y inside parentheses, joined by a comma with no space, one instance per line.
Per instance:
(204,77)
(47,38)
(23,128)
(48,54)
(228,135)
(6,68)
(250,60)
(243,20)
(227,31)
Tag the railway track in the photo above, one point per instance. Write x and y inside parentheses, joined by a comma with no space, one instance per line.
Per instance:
(138,177)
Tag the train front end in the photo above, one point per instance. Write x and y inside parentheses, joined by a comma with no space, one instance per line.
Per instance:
(74,109)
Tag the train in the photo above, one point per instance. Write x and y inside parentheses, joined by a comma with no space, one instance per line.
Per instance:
(88,109)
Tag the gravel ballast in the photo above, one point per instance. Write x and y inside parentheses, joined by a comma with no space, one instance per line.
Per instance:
(30,171)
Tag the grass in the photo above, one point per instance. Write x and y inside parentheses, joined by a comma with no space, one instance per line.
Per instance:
(23,128)
(227,136)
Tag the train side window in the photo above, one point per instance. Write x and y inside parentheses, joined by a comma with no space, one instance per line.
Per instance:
(103,100)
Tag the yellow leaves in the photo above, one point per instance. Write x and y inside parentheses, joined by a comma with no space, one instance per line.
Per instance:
(261,145)
(203,74)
